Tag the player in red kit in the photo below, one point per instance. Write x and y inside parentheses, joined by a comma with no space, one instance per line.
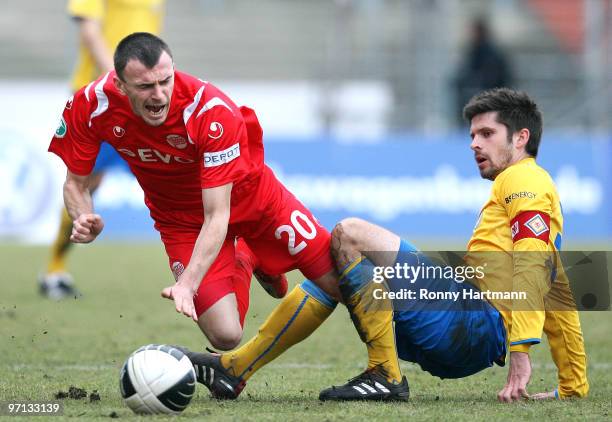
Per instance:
(199,159)
(200,162)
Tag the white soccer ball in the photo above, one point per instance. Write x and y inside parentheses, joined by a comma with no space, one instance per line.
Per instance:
(157,379)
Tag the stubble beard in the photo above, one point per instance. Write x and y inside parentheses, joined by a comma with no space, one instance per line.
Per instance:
(495,169)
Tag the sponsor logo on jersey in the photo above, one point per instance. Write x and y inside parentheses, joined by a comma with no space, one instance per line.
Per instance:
(214,159)
(118,131)
(151,155)
(515,229)
(61,130)
(177,141)
(216,130)
(518,195)
(69,103)
(537,225)
(177,269)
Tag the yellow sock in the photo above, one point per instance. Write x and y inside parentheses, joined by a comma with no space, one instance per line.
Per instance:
(373,319)
(60,245)
(300,313)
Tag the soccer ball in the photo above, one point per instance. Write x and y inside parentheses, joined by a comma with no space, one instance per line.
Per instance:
(157,379)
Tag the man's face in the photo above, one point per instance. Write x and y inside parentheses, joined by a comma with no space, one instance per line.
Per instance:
(149,90)
(492,150)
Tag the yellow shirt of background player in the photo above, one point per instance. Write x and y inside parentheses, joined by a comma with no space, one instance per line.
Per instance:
(118,18)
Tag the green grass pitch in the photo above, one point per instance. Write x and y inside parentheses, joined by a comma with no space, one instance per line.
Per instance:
(49,346)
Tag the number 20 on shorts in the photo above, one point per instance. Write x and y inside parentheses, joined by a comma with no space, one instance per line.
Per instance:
(298,220)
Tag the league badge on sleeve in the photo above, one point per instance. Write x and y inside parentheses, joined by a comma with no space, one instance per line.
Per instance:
(61,130)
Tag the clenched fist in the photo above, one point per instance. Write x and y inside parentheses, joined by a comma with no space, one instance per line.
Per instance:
(86,228)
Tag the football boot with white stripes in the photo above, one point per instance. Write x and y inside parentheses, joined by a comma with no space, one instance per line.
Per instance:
(368,386)
(209,371)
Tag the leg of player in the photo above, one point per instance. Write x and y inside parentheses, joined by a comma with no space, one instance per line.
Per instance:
(221,323)
(448,338)
(248,263)
(57,283)
(223,300)
(303,310)
(351,238)
(299,314)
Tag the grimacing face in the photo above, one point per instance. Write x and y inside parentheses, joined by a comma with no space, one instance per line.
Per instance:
(149,90)
(493,151)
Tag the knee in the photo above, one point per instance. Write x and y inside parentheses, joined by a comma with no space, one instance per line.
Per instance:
(227,339)
(345,236)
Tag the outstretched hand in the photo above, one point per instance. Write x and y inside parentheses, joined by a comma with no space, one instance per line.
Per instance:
(183,299)
(518,378)
(86,228)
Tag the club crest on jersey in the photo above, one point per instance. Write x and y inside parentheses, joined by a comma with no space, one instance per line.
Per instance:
(216,130)
(61,130)
(118,131)
(537,225)
(69,103)
(176,141)
(177,269)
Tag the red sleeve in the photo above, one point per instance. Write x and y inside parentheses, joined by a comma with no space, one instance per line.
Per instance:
(74,141)
(222,145)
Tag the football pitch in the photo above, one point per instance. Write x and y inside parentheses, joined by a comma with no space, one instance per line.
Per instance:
(47,347)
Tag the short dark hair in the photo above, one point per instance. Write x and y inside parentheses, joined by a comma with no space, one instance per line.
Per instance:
(515,110)
(142,46)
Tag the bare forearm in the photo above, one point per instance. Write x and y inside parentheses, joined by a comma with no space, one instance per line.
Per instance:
(206,249)
(91,37)
(77,199)
(216,203)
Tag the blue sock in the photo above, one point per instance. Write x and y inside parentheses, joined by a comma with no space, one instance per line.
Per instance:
(318,294)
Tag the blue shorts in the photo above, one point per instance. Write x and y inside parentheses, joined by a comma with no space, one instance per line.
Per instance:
(109,158)
(449,338)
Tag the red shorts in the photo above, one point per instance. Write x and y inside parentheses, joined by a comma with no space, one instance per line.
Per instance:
(279,229)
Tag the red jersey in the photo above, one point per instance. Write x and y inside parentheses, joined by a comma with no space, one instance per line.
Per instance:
(206,141)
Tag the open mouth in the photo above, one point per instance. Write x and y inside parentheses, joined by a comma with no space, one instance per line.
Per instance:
(480,160)
(155,110)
